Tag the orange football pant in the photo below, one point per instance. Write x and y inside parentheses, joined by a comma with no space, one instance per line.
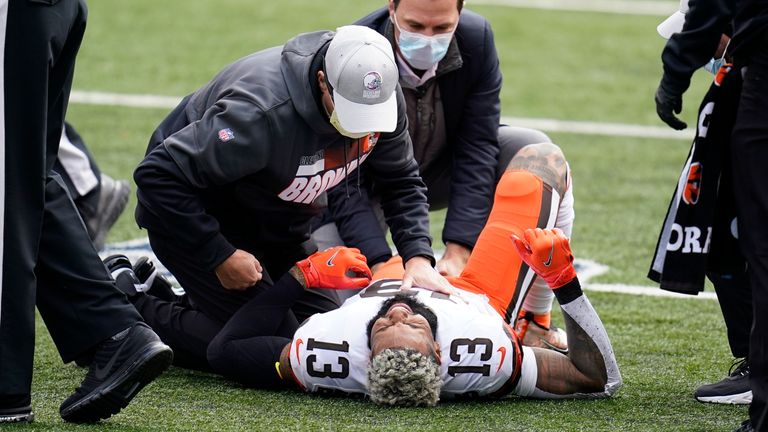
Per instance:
(494,268)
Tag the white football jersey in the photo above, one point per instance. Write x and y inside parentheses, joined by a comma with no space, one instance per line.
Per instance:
(330,352)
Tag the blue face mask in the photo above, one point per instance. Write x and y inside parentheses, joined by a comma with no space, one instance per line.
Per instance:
(714,65)
(422,52)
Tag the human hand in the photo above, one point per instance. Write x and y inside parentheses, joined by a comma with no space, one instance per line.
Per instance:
(240,271)
(667,105)
(419,272)
(454,260)
(338,267)
(548,253)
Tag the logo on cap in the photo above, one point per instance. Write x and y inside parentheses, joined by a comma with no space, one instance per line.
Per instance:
(372,83)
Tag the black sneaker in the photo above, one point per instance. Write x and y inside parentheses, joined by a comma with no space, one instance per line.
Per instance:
(122,366)
(21,414)
(158,286)
(113,198)
(734,389)
(746,426)
(119,266)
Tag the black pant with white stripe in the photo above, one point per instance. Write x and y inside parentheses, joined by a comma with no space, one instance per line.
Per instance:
(48,259)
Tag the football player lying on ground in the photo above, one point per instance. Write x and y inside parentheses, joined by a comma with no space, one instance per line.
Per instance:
(541,196)
(477,354)
(419,346)
(414,347)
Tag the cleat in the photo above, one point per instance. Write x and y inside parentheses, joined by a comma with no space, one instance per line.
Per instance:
(122,366)
(733,389)
(533,334)
(112,201)
(746,426)
(158,285)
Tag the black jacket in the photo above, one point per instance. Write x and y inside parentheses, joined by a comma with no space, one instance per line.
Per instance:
(471,106)
(240,162)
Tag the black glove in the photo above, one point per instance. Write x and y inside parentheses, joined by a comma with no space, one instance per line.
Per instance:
(667,105)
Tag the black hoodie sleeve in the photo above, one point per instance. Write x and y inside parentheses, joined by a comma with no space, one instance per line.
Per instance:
(692,47)
(222,146)
(403,193)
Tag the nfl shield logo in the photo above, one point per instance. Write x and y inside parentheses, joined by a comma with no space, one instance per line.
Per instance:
(226,135)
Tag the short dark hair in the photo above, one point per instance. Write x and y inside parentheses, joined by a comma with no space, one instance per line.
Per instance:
(459,4)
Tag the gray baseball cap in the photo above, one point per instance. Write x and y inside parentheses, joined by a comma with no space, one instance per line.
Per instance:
(362,71)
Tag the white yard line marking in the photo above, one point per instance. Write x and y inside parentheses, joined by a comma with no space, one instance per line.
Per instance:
(588,269)
(545,125)
(634,7)
(124,100)
(646,291)
(594,128)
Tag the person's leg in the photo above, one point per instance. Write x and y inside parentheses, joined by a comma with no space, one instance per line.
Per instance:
(749,150)
(527,196)
(24,95)
(190,330)
(735,297)
(175,319)
(78,169)
(511,140)
(536,310)
(38,90)
(99,198)
(249,345)
(88,318)
(186,330)
(74,287)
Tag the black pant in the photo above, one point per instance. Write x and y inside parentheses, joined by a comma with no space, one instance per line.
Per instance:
(189,326)
(735,297)
(48,258)
(750,158)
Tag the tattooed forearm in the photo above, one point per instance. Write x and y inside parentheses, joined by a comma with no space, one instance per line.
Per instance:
(583,352)
(546,160)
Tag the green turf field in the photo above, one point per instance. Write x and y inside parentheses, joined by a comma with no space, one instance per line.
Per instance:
(574,66)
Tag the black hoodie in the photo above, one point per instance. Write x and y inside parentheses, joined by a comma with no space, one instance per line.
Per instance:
(241,162)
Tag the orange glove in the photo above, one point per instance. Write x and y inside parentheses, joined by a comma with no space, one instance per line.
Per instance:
(548,253)
(338,267)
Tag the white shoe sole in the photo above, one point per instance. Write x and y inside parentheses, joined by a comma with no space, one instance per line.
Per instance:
(734,399)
